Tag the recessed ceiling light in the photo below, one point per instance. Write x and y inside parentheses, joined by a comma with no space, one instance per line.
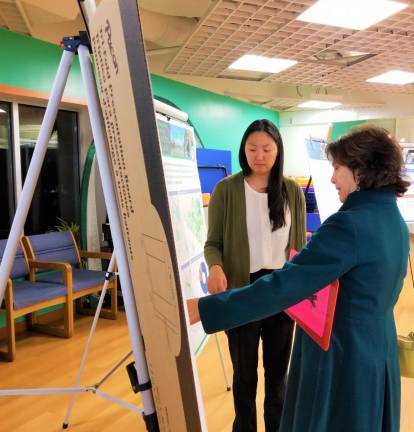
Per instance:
(318,104)
(262,64)
(393,77)
(352,14)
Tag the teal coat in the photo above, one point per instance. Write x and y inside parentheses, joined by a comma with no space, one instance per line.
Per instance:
(355,386)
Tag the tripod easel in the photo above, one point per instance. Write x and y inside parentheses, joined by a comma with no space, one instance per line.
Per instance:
(80,45)
(190,417)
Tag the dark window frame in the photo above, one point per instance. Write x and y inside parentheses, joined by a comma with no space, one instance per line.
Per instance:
(11,175)
(76,147)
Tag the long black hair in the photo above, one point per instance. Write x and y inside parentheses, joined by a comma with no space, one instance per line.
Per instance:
(277,198)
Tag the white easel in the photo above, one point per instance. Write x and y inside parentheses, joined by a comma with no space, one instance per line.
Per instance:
(81,46)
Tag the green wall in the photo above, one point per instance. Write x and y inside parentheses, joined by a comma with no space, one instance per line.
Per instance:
(341,128)
(32,64)
(219,120)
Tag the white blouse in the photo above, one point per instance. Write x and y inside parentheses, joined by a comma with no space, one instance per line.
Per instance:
(267,247)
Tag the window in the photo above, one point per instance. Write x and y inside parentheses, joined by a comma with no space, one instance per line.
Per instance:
(57,192)
(7,203)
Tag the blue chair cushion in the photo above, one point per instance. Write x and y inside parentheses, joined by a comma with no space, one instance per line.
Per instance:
(19,268)
(82,279)
(26,293)
(54,246)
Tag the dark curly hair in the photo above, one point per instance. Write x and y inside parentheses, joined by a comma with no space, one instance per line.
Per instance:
(373,156)
(277,198)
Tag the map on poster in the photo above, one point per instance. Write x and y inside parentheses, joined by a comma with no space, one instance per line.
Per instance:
(184,197)
(326,194)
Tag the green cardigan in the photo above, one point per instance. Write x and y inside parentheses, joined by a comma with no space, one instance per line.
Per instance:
(227,242)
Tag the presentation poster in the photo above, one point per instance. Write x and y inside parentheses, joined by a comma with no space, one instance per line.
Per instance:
(138,175)
(178,147)
(321,171)
(406,203)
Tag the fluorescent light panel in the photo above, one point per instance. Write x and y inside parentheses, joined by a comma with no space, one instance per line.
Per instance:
(352,14)
(318,104)
(393,77)
(262,64)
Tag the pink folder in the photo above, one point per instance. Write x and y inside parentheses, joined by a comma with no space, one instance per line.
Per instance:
(315,314)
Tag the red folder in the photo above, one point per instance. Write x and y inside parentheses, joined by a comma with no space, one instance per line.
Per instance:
(315,314)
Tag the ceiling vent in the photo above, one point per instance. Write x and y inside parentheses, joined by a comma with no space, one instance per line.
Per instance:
(340,57)
(243,75)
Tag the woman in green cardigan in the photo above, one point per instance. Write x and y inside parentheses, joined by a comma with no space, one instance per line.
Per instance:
(355,385)
(255,218)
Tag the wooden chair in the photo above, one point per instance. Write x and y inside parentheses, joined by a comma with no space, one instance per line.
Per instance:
(23,297)
(61,247)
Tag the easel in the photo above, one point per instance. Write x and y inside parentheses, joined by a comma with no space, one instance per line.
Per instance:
(80,45)
(139,380)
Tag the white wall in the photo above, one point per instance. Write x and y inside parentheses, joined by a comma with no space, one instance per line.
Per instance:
(397,115)
(405,129)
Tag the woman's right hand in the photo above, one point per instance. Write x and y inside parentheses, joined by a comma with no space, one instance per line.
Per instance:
(217,281)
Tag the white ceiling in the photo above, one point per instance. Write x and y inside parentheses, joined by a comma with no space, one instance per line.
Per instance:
(195,42)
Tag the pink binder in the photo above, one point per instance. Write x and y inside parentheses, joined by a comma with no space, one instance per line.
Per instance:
(316,313)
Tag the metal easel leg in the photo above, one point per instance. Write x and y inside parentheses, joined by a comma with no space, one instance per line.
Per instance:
(223,366)
(411,268)
(98,131)
(88,343)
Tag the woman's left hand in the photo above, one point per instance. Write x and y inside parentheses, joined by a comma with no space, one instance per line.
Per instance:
(193,313)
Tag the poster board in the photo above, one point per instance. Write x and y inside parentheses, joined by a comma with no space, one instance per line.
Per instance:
(178,149)
(321,171)
(406,202)
(326,195)
(141,193)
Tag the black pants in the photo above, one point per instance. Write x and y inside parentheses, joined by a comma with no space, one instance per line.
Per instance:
(276,333)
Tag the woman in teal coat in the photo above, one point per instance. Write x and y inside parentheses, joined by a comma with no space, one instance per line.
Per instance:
(355,385)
